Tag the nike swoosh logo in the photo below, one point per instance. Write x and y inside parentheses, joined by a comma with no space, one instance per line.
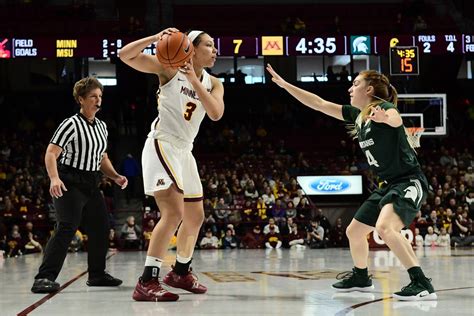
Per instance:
(186,50)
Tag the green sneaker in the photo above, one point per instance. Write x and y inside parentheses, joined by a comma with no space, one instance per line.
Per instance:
(417,290)
(353,281)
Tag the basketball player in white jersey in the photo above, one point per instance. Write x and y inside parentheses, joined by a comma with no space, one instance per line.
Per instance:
(170,173)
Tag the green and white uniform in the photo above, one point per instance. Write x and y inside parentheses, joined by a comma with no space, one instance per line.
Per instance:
(393,160)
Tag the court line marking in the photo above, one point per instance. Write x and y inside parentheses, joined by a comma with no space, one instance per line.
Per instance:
(349,309)
(46,298)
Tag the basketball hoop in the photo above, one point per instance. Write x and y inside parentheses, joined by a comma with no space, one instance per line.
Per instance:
(414,135)
(415,130)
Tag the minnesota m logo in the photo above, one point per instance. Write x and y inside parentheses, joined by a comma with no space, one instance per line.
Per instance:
(272,45)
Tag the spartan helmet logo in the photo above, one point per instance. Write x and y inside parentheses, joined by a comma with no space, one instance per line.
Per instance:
(414,192)
(359,45)
(411,193)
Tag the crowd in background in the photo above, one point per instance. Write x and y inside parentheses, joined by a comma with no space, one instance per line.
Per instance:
(252,198)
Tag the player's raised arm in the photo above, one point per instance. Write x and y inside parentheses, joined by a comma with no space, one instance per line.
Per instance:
(307,98)
(132,55)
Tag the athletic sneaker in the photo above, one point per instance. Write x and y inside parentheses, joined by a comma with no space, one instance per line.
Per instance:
(188,282)
(353,281)
(152,291)
(417,290)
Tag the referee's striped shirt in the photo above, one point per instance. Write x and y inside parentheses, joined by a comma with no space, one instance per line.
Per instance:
(83,143)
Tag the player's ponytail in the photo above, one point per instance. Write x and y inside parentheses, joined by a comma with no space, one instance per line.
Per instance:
(393,94)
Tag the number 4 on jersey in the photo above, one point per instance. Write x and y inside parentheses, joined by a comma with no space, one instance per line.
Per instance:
(370,159)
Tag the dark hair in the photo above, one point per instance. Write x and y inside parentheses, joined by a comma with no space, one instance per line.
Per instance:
(84,86)
(197,40)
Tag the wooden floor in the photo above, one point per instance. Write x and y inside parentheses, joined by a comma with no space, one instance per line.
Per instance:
(247,282)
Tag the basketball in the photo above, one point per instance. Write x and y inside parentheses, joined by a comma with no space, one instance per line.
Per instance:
(174,49)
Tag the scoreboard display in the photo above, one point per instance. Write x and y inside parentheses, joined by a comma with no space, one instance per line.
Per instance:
(439,44)
(468,44)
(382,44)
(238,46)
(404,61)
(315,45)
(66,47)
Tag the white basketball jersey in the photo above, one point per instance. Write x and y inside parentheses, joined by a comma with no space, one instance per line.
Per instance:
(180,112)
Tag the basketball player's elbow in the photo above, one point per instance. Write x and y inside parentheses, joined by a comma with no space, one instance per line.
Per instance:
(216,113)
(127,58)
(126,55)
(215,116)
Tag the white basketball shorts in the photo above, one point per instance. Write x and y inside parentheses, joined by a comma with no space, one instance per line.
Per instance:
(165,162)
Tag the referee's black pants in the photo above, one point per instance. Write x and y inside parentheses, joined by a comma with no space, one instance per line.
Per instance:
(81,203)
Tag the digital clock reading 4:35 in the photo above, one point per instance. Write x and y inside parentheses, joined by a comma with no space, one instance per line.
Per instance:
(404,60)
(335,45)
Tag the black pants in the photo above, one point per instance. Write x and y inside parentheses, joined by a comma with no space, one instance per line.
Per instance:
(462,241)
(81,203)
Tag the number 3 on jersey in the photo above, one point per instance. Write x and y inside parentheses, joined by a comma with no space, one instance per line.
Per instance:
(370,159)
(190,107)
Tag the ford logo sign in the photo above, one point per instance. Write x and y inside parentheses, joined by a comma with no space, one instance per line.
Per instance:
(330,185)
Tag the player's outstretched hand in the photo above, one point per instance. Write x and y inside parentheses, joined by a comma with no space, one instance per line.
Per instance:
(276,77)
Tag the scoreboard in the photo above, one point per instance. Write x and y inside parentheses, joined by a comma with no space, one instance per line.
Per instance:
(404,60)
(63,47)
(308,45)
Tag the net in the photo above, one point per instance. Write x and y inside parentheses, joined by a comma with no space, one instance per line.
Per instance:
(414,135)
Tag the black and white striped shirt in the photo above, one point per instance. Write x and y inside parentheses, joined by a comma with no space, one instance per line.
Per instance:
(83,143)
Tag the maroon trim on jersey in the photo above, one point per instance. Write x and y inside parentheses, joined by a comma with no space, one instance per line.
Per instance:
(163,162)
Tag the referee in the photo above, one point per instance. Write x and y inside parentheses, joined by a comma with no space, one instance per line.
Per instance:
(80,143)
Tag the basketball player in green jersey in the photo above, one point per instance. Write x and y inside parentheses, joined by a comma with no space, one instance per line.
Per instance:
(379,129)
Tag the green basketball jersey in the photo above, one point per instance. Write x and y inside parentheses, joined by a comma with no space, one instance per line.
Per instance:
(387,149)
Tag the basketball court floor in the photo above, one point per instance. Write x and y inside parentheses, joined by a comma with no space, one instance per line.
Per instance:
(247,282)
